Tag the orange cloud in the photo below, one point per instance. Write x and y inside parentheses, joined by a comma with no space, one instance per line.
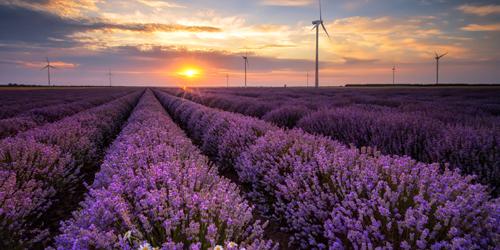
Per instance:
(160,4)
(389,39)
(64,8)
(483,10)
(293,3)
(482,27)
(40,64)
(156,27)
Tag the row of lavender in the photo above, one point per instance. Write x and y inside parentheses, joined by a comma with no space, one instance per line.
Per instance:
(47,114)
(154,189)
(413,130)
(331,196)
(17,101)
(42,171)
(461,101)
(470,107)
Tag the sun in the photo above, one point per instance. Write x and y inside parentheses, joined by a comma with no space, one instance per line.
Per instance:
(190,72)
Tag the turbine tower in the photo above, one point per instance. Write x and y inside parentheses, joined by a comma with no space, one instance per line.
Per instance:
(437,65)
(245,57)
(316,25)
(227,80)
(393,74)
(109,75)
(48,67)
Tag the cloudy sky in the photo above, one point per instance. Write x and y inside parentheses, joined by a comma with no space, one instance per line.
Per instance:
(151,42)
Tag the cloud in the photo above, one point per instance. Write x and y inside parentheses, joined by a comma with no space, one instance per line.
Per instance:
(274,46)
(390,40)
(352,60)
(480,10)
(160,4)
(64,8)
(39,64)
(26,25)
(151,27)
(292,3)
(482,27)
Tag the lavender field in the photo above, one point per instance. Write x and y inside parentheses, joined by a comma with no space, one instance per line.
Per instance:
(250,168)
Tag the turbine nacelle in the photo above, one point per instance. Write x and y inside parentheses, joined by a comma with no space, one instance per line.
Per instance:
(439,56)
(317,22)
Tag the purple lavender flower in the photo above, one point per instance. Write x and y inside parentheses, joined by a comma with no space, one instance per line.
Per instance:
(155,188)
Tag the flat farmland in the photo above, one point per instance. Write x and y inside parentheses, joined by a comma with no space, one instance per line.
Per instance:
(250,168)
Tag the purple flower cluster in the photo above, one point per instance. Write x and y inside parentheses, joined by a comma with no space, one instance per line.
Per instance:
(286,116)
(155,189)
(472,150)
(221,135)
(38,116)
(42,170)
(332,196)
(390,132)
(461,130)
(18,102)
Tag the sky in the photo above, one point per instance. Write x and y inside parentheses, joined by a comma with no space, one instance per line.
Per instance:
(201,42)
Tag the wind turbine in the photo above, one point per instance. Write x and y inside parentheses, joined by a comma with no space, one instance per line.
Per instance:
(245,57)
(307,81)
(316,25)
(393,74)
(48,67)
(437,65)
(109,75)
(227,80)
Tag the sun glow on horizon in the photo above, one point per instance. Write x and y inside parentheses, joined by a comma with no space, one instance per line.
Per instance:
(190,72)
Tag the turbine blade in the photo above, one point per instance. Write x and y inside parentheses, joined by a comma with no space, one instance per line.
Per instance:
(320,14)
(436,54)
(322,25)
(443,54)
(44,67)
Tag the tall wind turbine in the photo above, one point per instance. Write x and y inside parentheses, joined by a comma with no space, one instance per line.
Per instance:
(316,25)
(245,57)
(48,67)
(437,65)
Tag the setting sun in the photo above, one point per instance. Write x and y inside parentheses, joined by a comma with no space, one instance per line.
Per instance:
(190,72)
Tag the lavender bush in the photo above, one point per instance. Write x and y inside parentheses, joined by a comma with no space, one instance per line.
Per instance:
(473,151)
(461,130)
(155,190)
(286,116)
(18,102)
(39,116)
(331,196)
(40,167)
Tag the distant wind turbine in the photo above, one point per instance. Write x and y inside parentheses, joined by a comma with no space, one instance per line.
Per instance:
(393,74)
(227,80)
(48,67)
(437,65)
(307,81)
(245,57)
(110,75)
(316,25)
